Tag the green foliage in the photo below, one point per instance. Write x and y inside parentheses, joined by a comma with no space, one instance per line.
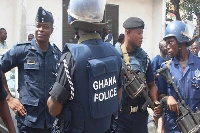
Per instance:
(189,7)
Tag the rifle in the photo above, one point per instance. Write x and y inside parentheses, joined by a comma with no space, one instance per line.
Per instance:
(136,85)
(187,121)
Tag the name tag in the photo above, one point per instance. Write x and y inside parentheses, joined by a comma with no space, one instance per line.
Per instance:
(31,62)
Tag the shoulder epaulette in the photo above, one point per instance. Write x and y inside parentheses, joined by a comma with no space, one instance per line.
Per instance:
(23,43)
(56,48)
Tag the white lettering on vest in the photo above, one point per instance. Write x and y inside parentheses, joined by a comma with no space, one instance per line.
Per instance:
(104,83)
(105,95)
(95,85)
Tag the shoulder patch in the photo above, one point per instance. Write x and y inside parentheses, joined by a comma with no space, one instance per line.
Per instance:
(23,43)
(56,48)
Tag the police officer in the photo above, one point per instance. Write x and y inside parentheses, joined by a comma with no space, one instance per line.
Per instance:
(131,118)
(159,59)
(4,110)
(156,63)
(195,48)
(36,62)
(184,69)
(88,79)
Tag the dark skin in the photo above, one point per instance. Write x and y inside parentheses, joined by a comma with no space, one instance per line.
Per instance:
(42,35)
(133,39)
(163,53)
(195,48)
(3,35)
(6,117)
(182,54)
(30,37)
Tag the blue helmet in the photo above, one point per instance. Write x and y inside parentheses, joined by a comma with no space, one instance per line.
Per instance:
(182,32)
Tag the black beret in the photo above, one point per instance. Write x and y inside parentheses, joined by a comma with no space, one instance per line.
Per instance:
(44,16)
(133,22)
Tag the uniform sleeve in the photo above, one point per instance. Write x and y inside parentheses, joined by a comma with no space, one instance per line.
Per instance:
(9,59)
(154,65)
(61,88)
(3,93)
(162,85)
(149,73)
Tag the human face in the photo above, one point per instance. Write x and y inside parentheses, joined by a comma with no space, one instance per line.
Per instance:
(3,35)
(172,46)
(164,49)
(135,37)
(195,49)
(30,37)
(43,31)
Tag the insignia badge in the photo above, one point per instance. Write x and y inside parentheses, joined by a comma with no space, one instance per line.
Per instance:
(56,57)
(43,13)
(197,74)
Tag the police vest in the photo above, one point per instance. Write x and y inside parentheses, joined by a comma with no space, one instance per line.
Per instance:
(97,68)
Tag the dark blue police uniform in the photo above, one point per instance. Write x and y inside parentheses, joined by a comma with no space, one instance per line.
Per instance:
(96,79)
(36,75)
(188,83)
(135,121)
(156,64)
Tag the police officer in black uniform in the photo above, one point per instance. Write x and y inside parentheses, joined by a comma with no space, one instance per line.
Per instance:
(36,61)
(88,82)
(133,115)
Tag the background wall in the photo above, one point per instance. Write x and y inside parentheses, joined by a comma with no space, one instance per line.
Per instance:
(18,18)
(152,12)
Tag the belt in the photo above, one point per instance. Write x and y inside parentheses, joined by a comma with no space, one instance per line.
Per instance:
(129,109)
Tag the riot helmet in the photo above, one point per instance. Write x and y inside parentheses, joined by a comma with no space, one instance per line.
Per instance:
(181,31)
(86,14)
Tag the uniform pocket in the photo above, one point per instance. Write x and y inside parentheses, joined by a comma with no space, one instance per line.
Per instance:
(31,106)
(31,71)
(195,89)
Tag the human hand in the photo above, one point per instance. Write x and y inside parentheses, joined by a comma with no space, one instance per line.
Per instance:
(172,104)
(16,106)
(157,110)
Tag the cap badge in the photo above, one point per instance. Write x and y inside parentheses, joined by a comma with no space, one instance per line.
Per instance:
(197,74)
(43,13)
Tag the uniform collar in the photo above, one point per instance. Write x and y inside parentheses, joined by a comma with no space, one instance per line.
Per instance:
(34,46)
(89,36)
(190,60)
(136,52)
